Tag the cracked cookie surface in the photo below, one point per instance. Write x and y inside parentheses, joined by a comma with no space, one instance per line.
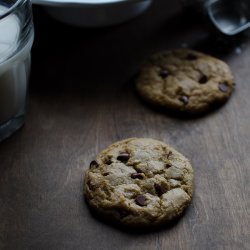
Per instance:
(185,80)
(139,182)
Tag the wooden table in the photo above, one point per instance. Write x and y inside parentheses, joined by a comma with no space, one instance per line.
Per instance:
(82,99)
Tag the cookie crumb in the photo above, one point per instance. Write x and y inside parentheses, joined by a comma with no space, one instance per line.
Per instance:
(93,164)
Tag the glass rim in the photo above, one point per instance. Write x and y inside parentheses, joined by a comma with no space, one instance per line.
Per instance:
(11,9)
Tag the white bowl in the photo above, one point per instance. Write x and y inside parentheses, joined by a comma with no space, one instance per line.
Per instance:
(94,13)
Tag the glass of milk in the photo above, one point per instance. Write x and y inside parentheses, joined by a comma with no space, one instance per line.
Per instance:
(16,38)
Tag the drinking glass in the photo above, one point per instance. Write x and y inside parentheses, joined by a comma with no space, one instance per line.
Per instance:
(16,39)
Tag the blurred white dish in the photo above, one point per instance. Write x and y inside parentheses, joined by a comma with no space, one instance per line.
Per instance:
(94,13)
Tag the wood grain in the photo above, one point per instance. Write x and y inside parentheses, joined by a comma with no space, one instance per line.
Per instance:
(82,99)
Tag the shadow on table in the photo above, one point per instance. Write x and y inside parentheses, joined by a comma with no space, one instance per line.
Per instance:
(133,230)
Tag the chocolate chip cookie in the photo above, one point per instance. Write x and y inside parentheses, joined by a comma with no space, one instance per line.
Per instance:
(185,80)
(139,182)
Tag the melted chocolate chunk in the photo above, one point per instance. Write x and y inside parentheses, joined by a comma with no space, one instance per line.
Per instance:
(123,157)
(223,87)
(160,190)
(203,79)
(140,200)
(184,99)
(137,176)
(93,164)
(163,73)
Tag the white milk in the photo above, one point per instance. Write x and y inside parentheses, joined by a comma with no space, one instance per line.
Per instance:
(14,69)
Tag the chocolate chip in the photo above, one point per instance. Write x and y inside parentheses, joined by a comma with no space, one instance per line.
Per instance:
(123,157)
(93,164)
(160,190)
(168,165)
(203,79)
(163,73)
(137,176)
(108,161)
(191,57)
(105,174)
(140,200)
(223,87)
(184,99)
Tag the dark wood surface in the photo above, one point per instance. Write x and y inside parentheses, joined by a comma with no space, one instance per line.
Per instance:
(82,99)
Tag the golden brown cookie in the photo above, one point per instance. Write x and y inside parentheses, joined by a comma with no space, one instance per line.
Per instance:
(185,80)
(139,182)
